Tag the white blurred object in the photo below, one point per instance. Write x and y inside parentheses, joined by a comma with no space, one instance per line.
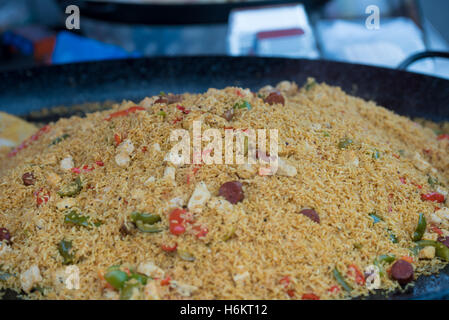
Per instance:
(396,40)
(351,41)
(436,42)
(246,24)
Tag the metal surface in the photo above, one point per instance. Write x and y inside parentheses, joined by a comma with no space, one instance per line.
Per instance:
(174,13)
(420,56)
(406,93)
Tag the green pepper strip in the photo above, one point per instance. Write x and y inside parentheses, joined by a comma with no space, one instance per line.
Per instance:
(341,280)
(345,143)
(39,289)
(230,234)
(59,139)
(376,218)
(129,288)
(114,267)
(72,189)
(376,155)
(145,222)
(433,181)
(392,236)
(77,219)
(148,228)
(441,251)
(242,105)
(309,85)
(64,248)
(116,278)
(98,223)
(147,218)
(385,258)
(139,277)
(421,228)
(4,276)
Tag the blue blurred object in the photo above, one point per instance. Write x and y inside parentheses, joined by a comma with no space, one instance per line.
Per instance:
(71,48)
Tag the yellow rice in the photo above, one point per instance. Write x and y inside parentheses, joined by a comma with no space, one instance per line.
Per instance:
(271,240)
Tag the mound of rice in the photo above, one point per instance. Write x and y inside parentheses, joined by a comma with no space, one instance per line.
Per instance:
(259,248)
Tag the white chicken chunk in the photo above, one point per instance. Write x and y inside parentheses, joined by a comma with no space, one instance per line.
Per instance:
(221,205)
(199,198)
(149,181)
(427,253)
(126,147)
(150,270)
(169,174)
(30,277)
(53,179)
(66,203)
(124,150)
(176,202)
(183,289)
(420,163)
(151,290)
(285,169)
(440,217)
(372,280)
(4,248)
(240,276)
(122,159)
(67,163)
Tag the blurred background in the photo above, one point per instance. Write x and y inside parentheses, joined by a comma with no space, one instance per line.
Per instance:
(34,32)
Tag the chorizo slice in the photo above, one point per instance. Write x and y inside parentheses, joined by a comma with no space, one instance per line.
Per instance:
(5,235)
(274,97)
(28,179)
(232,191)
(311,214)
(402,272)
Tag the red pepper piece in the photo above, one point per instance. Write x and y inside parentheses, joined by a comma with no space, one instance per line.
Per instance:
(166,281)
(117,139)
(177,221)
(100,163)
(443,137)
(285,281)
(27,142)
(42,196)
(407,258)
(183,109)
(201,231)
(437,230)
(177,120)
(168,248)
(433,196)
(177,229)
(310,296)
(125,112)
(417,185)
(334,289)
(76,170)
(359,277)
